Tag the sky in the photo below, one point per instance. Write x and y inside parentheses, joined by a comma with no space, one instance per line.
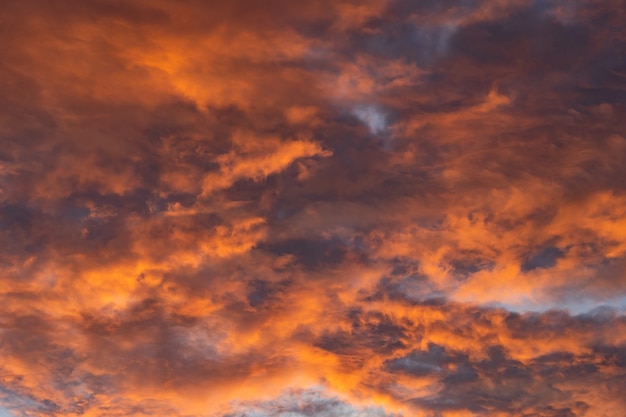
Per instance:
(318,208)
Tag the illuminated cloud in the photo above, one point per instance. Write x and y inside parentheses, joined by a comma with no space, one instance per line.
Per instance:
(319,208)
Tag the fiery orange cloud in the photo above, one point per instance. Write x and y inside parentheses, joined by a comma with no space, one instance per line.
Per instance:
(320,208)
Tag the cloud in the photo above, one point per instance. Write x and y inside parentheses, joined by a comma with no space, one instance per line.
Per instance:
(306,403)
(387,208)
(256,159)
(374,119)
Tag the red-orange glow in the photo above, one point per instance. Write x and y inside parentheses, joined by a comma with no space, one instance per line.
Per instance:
(320,208)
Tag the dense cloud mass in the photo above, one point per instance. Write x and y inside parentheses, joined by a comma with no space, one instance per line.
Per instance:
(313,209)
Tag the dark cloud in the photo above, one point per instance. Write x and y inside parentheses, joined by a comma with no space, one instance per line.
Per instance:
(546,258)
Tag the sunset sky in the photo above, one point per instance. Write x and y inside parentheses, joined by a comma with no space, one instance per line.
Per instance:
(317,208)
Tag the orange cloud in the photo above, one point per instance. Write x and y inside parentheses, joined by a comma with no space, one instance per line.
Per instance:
(275,209)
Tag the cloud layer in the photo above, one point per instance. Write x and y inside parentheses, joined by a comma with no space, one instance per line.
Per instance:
(320,208)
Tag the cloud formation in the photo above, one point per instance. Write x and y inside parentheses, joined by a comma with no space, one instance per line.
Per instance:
(324,208)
